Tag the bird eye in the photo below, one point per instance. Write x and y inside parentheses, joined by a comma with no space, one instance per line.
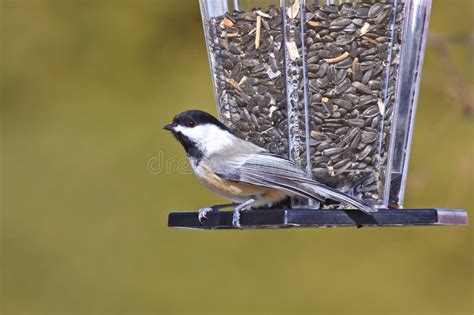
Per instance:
(191,123)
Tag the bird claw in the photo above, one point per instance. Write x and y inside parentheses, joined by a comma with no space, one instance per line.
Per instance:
(236,215)
(236,219)
(203,214)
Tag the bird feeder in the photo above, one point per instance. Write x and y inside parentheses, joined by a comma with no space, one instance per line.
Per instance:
(332,85)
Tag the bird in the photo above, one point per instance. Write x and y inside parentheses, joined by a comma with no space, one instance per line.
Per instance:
(249,176)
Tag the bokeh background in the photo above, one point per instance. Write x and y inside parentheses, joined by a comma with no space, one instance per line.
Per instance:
(85,89)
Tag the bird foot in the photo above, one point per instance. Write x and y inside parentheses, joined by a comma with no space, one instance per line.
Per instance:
(242,207)
(236,219)
(203,213)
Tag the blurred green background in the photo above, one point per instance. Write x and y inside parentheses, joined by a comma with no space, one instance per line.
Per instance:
(86,87)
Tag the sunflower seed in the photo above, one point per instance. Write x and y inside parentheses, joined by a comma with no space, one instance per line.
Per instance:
(361,87)
(344,39)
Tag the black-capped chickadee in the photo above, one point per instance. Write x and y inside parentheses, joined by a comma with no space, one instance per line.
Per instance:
(242,172)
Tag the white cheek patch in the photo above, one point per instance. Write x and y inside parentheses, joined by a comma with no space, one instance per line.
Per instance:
(209,138)
(184,130)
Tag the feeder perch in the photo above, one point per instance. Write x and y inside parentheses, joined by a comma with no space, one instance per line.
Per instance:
(293,218)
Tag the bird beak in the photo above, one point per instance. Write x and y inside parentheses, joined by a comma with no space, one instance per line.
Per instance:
(168,127)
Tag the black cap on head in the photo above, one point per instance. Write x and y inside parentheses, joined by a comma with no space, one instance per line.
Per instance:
(193,118)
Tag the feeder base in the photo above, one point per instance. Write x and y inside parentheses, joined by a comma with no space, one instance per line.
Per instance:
(276,218)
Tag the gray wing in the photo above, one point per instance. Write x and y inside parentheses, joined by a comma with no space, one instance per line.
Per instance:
(265,169)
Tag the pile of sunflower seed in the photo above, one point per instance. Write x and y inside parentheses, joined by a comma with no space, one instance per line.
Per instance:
(349,54)
(247,57)
(352,64)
